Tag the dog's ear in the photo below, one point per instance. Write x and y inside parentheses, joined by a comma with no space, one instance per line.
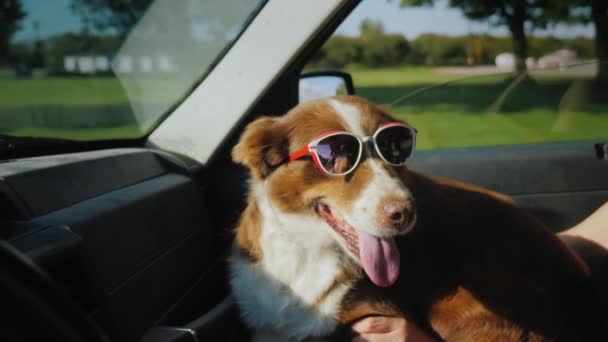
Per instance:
(263,146)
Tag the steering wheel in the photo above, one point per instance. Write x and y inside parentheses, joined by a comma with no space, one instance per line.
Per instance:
(34,308)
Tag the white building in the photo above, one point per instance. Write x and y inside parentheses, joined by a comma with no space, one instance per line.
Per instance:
(86,64)
(505,61)
(91,64)
(558,59)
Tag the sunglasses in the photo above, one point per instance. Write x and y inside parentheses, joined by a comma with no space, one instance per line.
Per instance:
(338,153)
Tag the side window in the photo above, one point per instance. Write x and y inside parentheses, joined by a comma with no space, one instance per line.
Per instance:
(465,81)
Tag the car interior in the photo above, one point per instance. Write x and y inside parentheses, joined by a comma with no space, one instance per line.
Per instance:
(120,241)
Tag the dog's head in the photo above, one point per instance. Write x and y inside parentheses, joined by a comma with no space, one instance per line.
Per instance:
(362,211)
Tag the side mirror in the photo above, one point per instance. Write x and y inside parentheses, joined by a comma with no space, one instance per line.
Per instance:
(318,84)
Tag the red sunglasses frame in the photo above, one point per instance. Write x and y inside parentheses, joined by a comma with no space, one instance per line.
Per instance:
(311,148)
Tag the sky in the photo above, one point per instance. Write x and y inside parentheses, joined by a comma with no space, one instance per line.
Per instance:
(412,21)
(54,16)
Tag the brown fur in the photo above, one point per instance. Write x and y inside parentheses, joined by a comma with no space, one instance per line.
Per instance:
(296,184)
(478,268)
(247,237)
(262,146)
(475,267)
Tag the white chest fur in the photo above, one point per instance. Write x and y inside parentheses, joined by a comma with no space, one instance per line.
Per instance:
(285,290)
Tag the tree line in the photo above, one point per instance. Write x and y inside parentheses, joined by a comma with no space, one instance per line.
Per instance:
(518,15)
(373,47)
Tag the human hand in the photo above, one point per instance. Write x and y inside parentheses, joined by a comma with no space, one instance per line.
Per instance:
(593,228)
(393,329)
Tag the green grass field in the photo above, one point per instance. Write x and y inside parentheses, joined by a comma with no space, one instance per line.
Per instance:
(466,111)
(73,91)
(479,110)
(72,108)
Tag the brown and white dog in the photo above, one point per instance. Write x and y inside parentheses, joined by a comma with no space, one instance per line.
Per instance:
(463,262)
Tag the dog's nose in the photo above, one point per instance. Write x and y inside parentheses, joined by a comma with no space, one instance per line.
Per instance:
(398,213)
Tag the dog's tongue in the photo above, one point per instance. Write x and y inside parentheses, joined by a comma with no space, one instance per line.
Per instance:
(380,259)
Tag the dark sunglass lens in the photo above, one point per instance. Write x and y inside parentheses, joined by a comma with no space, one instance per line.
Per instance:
(395,144)
(338,153)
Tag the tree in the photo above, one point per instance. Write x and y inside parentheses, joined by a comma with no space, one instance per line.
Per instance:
(586,11)
(434,49)
(599,14)
(380,48)
(340,51)
(513,13)
(370,27)
(118,15)
(11,14)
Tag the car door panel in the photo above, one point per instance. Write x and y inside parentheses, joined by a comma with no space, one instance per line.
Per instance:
(74,177)
(560,183)
(125,231)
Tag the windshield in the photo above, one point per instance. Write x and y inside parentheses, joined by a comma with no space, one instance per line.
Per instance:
(100,70)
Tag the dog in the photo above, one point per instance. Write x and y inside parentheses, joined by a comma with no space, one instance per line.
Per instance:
(337,228)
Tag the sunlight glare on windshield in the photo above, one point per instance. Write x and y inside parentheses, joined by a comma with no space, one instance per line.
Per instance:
(185,37)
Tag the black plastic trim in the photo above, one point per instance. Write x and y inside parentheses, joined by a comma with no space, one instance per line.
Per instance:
(48,245)
(37,186)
